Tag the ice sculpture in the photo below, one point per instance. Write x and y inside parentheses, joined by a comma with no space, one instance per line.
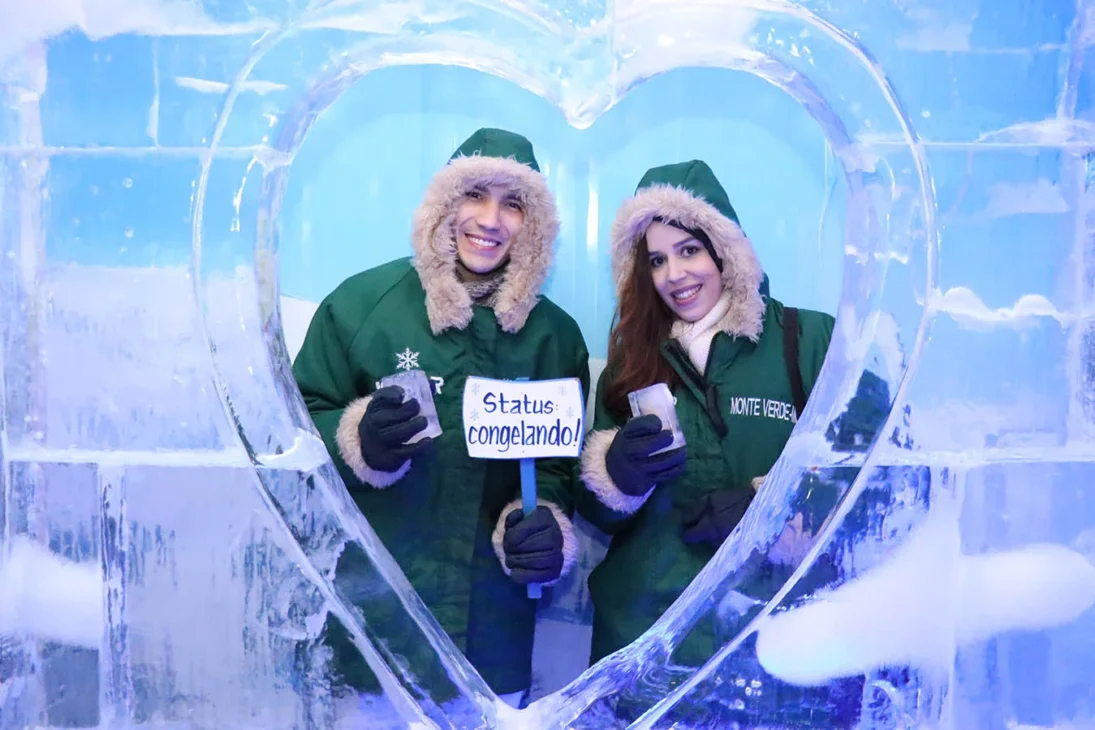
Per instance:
(170,522)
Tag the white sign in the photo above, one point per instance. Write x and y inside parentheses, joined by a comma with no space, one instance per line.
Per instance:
(526,419)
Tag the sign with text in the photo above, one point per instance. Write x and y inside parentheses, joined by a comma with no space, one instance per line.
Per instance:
(529,419)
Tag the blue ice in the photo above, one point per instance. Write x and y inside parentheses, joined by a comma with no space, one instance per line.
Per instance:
(181,181)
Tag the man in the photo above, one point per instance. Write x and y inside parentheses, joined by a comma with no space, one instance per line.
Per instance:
(467,303)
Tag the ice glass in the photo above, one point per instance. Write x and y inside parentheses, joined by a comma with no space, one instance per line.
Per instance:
(657,400)
(416,385)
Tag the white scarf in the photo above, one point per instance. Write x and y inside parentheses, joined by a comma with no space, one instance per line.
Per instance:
(695,337)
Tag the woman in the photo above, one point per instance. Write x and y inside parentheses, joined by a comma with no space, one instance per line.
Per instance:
(694,313)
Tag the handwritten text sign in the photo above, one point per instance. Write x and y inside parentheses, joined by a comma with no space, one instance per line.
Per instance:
(530,419)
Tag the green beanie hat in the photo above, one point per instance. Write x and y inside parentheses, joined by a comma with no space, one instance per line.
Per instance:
(696,177)
(498,143)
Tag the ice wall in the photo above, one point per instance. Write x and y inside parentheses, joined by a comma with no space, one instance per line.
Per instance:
(172,171)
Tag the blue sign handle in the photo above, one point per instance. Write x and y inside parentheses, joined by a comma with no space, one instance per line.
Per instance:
(528,504)
(528,501)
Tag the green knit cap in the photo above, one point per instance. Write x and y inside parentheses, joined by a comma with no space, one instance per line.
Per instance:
(499,143)
(695,177)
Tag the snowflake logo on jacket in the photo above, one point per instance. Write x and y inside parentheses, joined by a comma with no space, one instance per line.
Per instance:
(406,360)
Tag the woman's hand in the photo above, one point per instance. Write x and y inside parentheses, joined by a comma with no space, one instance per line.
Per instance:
(631,462)
(712,517)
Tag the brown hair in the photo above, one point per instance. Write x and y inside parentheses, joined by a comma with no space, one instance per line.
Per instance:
(641,324)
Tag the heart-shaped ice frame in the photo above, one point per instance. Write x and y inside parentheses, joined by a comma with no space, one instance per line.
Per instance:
(616,57)
(890,218)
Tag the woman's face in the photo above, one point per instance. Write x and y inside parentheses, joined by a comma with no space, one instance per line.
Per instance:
(684,273)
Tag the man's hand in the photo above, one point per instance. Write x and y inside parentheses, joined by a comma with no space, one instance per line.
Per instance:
(386,427)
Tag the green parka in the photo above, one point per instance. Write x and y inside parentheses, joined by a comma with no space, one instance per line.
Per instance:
(648,564)
(441,516)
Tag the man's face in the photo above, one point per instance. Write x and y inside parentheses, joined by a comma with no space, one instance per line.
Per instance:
(487,222)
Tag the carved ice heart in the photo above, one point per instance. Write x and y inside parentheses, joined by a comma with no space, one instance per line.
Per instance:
(606,54)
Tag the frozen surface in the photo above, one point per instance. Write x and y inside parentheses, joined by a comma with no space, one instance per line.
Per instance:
(181,182)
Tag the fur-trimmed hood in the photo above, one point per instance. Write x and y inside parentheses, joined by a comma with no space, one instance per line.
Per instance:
(489,157)
(689,194)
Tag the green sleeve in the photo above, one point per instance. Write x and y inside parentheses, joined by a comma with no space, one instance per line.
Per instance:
(327,379)
(587,503)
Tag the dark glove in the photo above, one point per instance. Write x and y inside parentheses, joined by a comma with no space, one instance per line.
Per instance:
(865,414)
(533,546)
(629,463)
(712,517)
(385,428)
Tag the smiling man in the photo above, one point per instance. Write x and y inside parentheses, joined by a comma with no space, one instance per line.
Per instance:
(467,303)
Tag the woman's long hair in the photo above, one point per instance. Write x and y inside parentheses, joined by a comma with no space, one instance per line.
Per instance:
(641,324)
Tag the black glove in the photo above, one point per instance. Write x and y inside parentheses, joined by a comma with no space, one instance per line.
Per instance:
(629,463)
(712,517)
(533,546)
(865,414)
(385,428)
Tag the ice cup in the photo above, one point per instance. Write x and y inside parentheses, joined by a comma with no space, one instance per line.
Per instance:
(657,400)
(416,385)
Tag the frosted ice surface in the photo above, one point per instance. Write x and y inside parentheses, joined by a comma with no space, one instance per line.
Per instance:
(173,537)
(912,608)
(48,596)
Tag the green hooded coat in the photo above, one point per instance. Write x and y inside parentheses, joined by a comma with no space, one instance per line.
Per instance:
(648,564)
(442,516)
